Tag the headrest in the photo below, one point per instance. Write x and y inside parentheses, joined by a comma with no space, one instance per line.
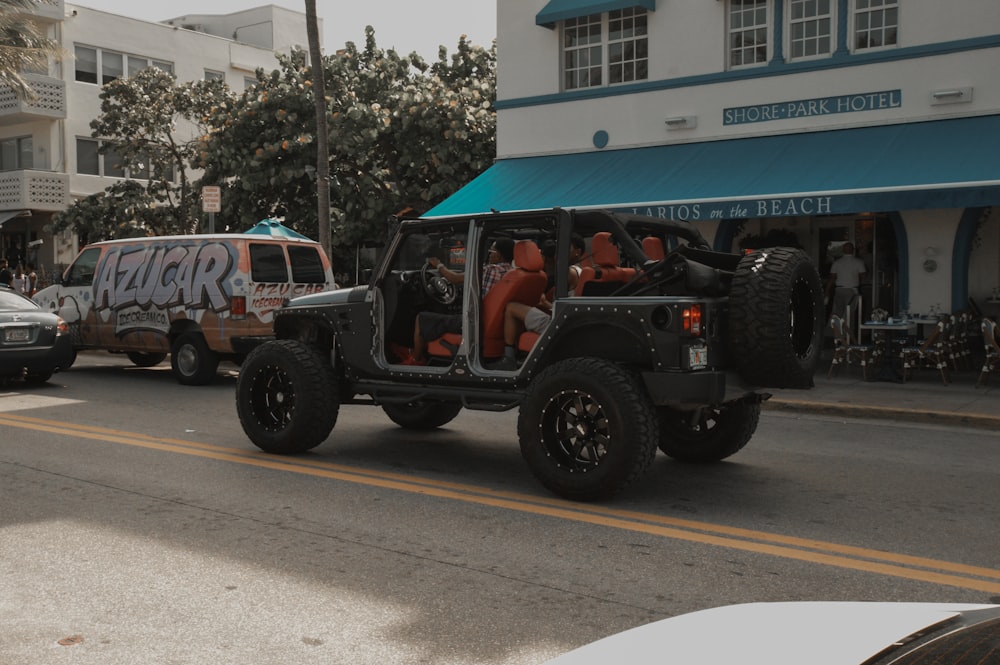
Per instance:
(602,251)
(652,247)
(527,256)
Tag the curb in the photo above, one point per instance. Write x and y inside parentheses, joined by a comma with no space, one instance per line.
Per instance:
(977,420)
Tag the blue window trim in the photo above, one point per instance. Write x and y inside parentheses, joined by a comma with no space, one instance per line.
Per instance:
(775,68)
(560,10)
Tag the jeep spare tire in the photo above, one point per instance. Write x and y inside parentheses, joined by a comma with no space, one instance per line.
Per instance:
(776,318)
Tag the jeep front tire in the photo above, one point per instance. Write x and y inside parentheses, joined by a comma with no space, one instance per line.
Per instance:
(286,397)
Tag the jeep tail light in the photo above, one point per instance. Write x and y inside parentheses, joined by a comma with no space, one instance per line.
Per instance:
(691,317)
(238,307)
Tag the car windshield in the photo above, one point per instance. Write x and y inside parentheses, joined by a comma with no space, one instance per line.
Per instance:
(971,645)
(10,300)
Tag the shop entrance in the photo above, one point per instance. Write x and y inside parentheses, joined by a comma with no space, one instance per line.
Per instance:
(874,240)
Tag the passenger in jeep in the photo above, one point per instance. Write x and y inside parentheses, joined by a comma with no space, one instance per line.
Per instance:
(431,325)
(519,317)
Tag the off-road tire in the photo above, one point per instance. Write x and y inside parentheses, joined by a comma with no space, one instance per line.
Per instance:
(709,434)
(140,359)
(587,428)
(422,415)
(286,397)
(193,363)
(776,318)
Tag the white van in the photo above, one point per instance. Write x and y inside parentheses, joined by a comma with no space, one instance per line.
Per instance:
(200,298)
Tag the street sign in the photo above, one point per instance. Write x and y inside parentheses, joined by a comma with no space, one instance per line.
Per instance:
(211,198)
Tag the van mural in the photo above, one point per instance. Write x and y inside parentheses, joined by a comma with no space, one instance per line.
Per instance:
(140,296)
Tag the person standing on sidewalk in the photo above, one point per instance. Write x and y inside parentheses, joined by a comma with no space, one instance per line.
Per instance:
(845,278)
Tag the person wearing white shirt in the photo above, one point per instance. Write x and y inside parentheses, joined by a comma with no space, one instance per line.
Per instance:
(844,280)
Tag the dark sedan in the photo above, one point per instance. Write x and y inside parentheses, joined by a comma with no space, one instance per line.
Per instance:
(33,343)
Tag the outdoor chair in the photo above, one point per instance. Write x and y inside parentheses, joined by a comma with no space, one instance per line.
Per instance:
(991,363)
(932,352)
(846,352)
(962,334)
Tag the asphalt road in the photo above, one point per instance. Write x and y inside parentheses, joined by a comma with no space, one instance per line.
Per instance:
(139,525)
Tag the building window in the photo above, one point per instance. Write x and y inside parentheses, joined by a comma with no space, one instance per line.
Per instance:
(90,161)
(748,26)
(811,28)
(17,154)
(87,159)
(875,23)
(628,46)
(212,75)
(114,164)
(582,52)
(112,64)
(86,64)
(599,48)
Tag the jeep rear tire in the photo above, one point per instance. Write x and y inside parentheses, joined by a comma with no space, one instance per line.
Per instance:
(708,434)
(286,397)
(587,428)
(193,363)
(422,415)
(776,318)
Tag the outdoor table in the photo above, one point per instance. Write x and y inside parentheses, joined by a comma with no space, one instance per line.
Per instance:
(922,321)
(882,334)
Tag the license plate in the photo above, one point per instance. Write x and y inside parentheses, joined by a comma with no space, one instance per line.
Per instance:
(16,335)
(697,357)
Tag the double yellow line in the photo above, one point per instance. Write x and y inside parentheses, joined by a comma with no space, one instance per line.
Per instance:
(920,569)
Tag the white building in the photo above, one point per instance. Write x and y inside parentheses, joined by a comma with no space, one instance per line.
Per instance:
(48,157)
(876,121)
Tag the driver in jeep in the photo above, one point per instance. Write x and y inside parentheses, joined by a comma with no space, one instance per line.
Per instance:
(431,325)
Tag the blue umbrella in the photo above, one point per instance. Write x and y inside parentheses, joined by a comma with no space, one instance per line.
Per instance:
(275,229)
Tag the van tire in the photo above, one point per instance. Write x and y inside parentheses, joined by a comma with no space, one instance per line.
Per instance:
(194,364)
(140,359)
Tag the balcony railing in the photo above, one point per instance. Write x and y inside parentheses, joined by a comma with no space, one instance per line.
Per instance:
(54,10)
(34,190)
(49,101)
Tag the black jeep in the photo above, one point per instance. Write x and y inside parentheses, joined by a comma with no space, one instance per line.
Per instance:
(663,343)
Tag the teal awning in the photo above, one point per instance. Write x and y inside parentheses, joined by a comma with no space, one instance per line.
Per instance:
(939,164)
(560,10)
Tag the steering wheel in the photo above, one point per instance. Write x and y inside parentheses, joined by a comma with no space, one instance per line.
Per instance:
(436,286)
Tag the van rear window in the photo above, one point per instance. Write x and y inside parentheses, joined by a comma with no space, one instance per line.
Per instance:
(307,267)
(267,263)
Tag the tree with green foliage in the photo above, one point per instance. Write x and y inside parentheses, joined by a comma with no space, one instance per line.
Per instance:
(403,135)
(152,126)
(23,46)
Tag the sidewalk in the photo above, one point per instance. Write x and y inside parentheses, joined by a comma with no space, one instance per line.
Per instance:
(924,398)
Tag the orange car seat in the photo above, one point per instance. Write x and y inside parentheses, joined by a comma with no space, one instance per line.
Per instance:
(605,269)
(525,283)
(652,247)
